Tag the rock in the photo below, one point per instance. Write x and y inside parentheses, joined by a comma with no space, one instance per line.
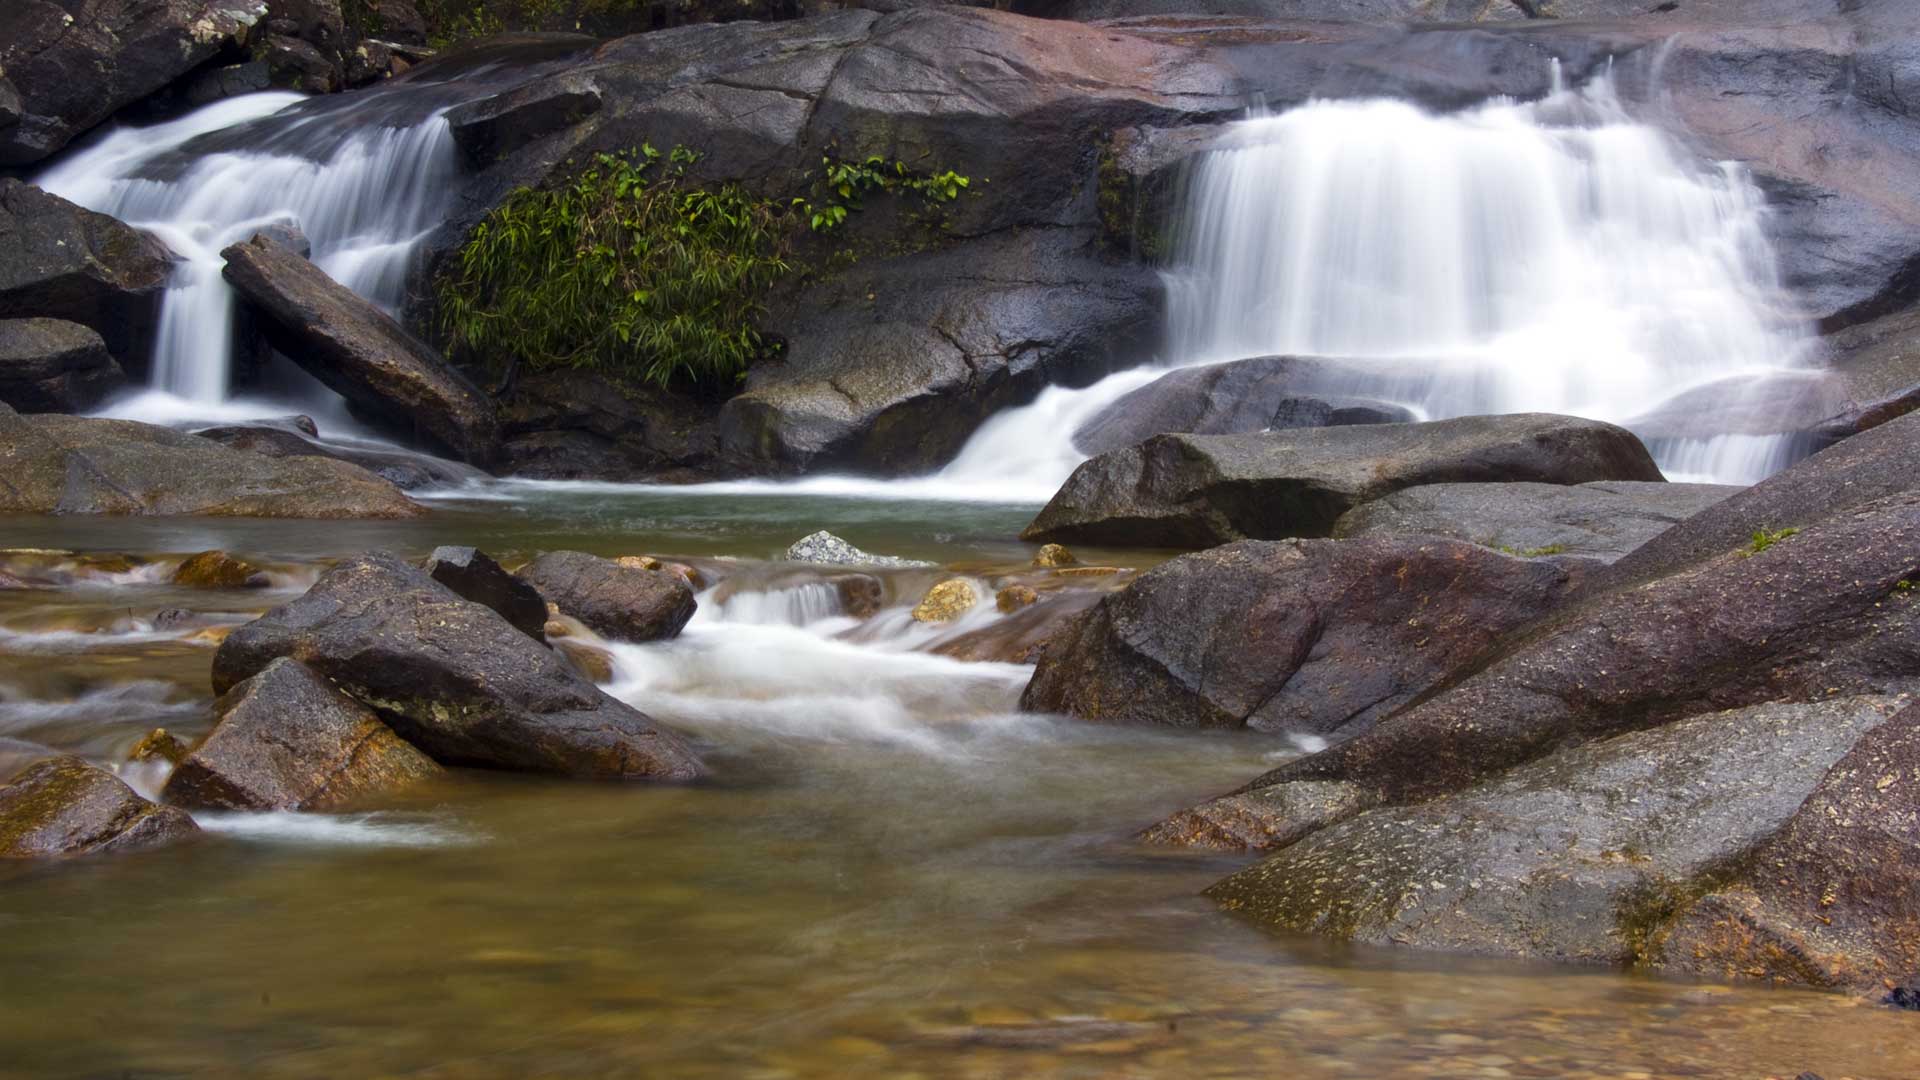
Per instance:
(1832,899)
(360,352)
(472,575)
(594,663)
(232,80)
(62,262)
(74,63)
(1259,820)
(405,470)
(1014,597)
(1265,393)
(1200,490)
(219,570)
(452,678)
(1878,364)
(287,740)
(693,577)
(50,365)
(289,235)
(64,806)
(299,65)
(619,602)
(1573,857)
(830,550)
(1305,636)
(946,601)
(576,424)
(68,465)
(861,595)
(158,745)
(1051,555)
(494,127)
(1602,520)
(1026,634)
(1828,611)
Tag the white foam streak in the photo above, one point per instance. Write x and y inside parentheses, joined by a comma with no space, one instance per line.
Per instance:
(341,830)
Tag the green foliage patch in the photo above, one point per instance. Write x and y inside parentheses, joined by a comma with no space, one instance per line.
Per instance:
(1766,538)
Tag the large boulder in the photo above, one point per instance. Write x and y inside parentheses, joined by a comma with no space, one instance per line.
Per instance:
(50,365)
(579,424)
(452,677)
(360,352)
(473,575)
(1575,857)
(64,806)
(54,464)
(1600,520)
(60,261)
(1300,636)
(619,601)
(74,63)
(1196,491)
(287,740)
(405,469)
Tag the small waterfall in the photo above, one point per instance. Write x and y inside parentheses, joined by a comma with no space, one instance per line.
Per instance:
(364,195)
(1554,256)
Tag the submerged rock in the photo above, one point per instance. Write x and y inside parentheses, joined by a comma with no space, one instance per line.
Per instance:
(830,550)
(54,464)
(1052,555)
(473,575)
(60,261)
(452,677)
(621,602)
(1027,633)
(1196,491)
(64,806)
(1303,636)
(287,740)
(50,365)
(219,570)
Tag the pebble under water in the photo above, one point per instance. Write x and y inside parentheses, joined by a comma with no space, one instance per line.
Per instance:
(893,873)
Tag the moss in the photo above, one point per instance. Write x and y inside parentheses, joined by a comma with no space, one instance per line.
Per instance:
(1766,538)
(1123,203)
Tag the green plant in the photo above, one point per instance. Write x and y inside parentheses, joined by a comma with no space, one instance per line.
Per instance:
(1764,539)
(840,187)
(628,267)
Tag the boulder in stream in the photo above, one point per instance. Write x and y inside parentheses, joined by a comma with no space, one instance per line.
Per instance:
(60,261)
(65,806)
(623,602)
(407,470)
(452,677)
(830,550)
(218,570)
(51,365)
(473,575)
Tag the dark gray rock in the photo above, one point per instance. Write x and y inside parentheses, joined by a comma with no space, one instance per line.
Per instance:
(1308,637)
(1601,520)
(577,424)
(54,464)
(50,365)
(60,261)
(1574,857)
(1200,490)
(473,575)
(1878,365)
(287,740)
(619,601)
(405,470)
(360,352)
(452,677)
(64,806)
(494,127)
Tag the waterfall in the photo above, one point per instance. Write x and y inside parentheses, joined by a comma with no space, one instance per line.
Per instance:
(1553,256)
(364,194)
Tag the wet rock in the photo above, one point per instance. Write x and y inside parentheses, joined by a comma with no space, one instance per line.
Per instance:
(62,262)
(1312,636)
(1014,597)
(594,663)
(494,127)
(287,740)
(71,465)
(300,65)
(76,63)
(946,601)
(361,353)
(1200,490)
(1026,634)
(830,550)
(405,470)
(452,677)
(692,576)
(473,575)
(620,602)
(1573,857)
(158,745)
(50,365)
(1051,555)
(1602,520)
(1259,820)
(575,424)
(1261,394)
(231,80)
(219,570)
(64,806)
(861,595)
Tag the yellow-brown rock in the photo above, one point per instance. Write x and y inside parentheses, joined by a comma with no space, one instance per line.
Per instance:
(947,601)
(219,570)
(1051,555)
(1014,597)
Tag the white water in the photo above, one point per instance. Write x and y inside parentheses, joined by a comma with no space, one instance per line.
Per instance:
(364,200)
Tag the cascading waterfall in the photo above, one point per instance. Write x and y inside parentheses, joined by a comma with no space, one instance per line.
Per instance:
(1554,256)
(364,195)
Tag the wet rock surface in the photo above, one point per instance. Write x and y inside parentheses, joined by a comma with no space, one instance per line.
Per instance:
(405,470)
(1600,520)
(64,806)
(1312,636)
(1196,491)
(51,365)
(59,261)
(218,570)
(626,603)
(287,740)
(452,677)
(473,575)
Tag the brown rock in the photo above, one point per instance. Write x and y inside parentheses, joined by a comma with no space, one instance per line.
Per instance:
(621,602)
(158,745)
(219,570)
(64,806)
(946,601)
(1014,597)
(1053,555)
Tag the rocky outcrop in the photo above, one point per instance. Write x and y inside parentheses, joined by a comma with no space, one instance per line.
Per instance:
(1304,637)
(1261,394)
(403,469)
(287,740)
(1196,491)
(360,352)
(62,262)
(452,677)
(578,424)
(69,465)
(623,602)
(74,63)
(1579,857)
(50,365)
(473,575)
(830,550)
(64,806)
(1600,520)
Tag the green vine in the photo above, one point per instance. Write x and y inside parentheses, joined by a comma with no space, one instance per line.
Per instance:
(841,185)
